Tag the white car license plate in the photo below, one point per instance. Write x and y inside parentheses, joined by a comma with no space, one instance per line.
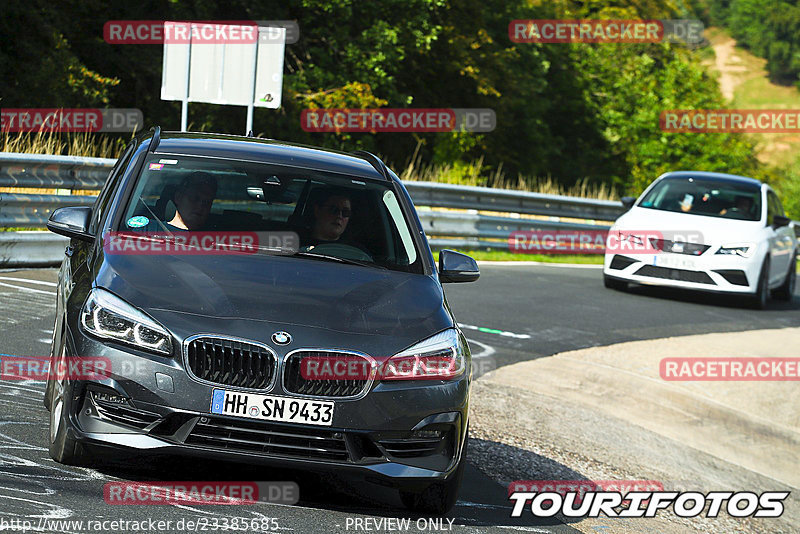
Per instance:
(271,408)
(674,262)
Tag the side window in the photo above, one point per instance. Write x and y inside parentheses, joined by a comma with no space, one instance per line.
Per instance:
(100,205)
(773,207)
(779,205)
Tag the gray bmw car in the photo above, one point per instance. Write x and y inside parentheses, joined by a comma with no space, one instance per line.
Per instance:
(261,302)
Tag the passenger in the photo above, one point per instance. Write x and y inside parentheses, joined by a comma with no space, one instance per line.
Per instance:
(331,211)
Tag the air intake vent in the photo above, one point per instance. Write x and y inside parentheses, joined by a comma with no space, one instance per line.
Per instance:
(231,362)
(675,274)
(358,384)
(270,438)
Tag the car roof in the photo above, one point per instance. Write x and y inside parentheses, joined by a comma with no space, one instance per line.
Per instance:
(717,176)
(264,151)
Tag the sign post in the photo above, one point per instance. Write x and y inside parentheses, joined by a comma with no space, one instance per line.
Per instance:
(223,64)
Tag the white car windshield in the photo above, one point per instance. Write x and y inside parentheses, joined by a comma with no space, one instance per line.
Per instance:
(707,197)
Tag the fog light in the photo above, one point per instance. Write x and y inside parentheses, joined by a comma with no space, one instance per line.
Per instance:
(426,434)
(109,398)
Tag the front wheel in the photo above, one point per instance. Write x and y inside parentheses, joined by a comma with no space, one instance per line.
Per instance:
(439,497)
(786,289)
(761,296)
(63,449)
(613,283)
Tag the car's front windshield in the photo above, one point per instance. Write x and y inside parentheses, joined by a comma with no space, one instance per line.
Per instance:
(331,216)
(707,197)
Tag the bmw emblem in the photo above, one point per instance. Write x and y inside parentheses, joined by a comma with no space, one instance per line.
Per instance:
(281,338)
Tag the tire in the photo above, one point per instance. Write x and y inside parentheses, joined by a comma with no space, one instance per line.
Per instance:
(613,283)
(48,389)
(761,297)
(786,290)
(438,498)
(63,448)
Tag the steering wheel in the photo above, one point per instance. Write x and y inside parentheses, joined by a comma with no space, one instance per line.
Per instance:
(342,250)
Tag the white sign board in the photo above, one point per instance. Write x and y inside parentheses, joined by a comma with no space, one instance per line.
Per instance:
(219,64)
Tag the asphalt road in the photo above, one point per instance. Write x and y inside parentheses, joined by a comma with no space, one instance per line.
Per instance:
(512,313)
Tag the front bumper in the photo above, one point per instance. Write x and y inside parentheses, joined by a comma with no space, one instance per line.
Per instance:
(399,433)
(715,273)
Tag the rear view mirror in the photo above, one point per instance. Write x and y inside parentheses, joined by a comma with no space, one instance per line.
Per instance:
(628,202)
(780,220)
(72,222)
(457,267)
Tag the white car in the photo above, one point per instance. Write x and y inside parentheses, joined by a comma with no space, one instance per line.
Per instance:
(705,231)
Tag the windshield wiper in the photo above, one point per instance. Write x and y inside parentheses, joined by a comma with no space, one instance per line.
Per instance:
(338,259)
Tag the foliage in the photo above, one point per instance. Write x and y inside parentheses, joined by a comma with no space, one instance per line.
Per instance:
(575,113)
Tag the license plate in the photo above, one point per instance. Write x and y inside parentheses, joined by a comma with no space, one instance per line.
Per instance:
(674,262)
(271,408)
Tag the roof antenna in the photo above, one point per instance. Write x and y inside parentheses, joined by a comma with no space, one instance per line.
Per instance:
(156,138)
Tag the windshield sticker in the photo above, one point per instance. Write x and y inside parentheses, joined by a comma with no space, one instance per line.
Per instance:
(138,221)
(156,166)
(168,161)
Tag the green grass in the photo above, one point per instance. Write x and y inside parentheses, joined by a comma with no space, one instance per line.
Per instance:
(501,255)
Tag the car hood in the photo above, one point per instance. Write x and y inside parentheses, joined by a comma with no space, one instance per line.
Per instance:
(712,230)
(320,303)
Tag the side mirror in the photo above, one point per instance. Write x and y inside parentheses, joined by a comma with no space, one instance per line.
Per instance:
(71,222)
(457,267)
(780,220)
(628,202)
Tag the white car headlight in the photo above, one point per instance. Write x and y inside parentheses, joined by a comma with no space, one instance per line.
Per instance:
(107,316)
(440,357)
(744,250)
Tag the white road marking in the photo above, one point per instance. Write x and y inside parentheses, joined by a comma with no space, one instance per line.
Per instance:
(30,281)
(487,351)
(494,331)
(525,529)
(28,289)
(481,505)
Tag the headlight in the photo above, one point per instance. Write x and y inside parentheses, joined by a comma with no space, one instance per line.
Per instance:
(440,357)
(107,316)
(744,250)
(632,238)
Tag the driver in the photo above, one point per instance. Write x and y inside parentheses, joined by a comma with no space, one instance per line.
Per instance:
(193,199)
(744,205)
(332,211)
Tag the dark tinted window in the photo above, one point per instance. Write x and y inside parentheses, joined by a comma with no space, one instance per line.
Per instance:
(774,206)
(332,214)
(707,197)
(107,193)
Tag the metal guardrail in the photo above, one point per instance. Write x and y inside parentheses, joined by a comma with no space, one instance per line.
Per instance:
(31,249)
(68,172)
(476,217)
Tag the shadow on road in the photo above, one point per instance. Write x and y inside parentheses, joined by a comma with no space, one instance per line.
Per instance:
(482,501)
(711,299)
